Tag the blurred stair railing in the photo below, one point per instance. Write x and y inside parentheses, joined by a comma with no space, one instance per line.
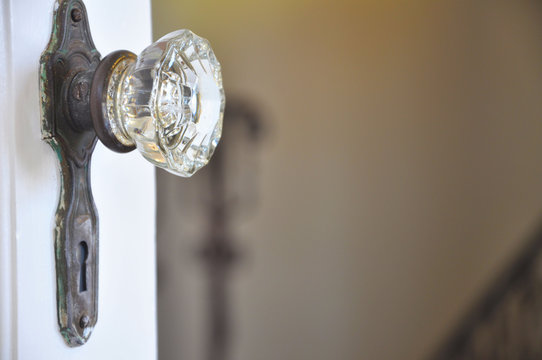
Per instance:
(507,321)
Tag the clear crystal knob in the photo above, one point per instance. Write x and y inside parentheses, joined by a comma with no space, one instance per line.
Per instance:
(168,102)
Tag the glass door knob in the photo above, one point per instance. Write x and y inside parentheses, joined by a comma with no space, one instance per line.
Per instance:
(168,102)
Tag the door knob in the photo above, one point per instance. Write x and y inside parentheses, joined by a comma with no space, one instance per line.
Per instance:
(168,102)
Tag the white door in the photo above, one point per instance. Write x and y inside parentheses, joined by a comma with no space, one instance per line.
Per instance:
(124,193)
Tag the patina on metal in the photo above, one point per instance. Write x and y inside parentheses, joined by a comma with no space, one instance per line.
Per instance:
(66,69)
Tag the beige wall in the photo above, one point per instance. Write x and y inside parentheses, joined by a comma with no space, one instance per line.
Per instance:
(403,170)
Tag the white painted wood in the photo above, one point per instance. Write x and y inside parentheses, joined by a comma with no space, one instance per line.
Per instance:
(124,191)
(7,280)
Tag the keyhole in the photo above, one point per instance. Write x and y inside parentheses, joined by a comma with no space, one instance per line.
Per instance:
(82,257)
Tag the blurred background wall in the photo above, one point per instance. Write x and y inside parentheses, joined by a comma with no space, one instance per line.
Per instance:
(401,170)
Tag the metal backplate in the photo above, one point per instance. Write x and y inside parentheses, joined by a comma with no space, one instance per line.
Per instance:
(65,76)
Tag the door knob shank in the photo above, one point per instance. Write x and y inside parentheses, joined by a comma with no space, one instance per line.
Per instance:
(99,106)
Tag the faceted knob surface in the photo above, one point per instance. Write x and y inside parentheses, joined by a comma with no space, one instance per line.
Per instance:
(168,102)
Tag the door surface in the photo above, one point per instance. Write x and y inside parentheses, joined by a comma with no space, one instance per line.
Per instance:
(124,192)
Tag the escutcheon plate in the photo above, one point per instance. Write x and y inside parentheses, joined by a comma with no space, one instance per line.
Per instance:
(66,66)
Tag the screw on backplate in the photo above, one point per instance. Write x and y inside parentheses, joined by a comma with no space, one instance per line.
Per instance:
(80,90)
(84,321)
(77,15)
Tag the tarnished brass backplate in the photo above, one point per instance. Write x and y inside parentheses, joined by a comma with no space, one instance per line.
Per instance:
(65,75)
